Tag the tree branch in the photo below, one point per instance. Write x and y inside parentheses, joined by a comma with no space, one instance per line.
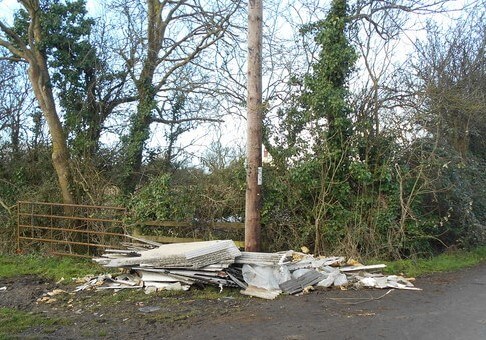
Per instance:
(13,36)
(183,120)
(8,45)
(13,58)
(6,207)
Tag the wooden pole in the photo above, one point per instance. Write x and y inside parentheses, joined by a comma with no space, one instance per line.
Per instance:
(254,127)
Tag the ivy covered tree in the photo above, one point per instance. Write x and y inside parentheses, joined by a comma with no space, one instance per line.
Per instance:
(318,153)
(327,85)
(329,113)
(319,127)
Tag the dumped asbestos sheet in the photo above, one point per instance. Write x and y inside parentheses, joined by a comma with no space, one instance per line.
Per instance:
(178,266)
(178,255)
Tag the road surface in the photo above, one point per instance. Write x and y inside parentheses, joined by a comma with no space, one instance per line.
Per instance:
(450,306)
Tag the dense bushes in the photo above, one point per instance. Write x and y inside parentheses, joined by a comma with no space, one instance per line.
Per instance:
(24,175)
(422,204)
(415,202)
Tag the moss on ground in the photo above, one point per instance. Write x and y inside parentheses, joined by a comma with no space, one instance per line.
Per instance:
(13,321)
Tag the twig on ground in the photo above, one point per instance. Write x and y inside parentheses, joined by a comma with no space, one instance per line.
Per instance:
(360,300)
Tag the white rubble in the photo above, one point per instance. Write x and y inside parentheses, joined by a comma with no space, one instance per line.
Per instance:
(265,275)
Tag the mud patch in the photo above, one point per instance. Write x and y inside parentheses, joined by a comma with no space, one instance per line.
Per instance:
(23,291)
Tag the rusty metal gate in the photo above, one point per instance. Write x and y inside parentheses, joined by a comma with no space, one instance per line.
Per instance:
(68,229)
(85,230)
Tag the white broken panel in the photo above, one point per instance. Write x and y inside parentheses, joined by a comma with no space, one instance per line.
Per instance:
(327,261)
(128,279)
(178,255)
(381,282)
(117,286)
(216,267)
(399,282)
(341,280)
(211,247)
(215,257)
(300,272)
(328,280)
(162,275)
(332,276)
(261,292)
(371,282)
(156,276)
(166,285)
(266,277)
(301,264)
(358,268)
(262,259)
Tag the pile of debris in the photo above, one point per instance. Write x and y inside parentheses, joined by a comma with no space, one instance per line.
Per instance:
(179,266)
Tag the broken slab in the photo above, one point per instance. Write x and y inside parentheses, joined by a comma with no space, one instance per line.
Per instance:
(177,286)
(261,292)
(237,278)
(190,255)
(262,259)
(297,285)
(358,268)
(150,274)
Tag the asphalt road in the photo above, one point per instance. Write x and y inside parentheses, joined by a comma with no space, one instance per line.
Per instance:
(450,306)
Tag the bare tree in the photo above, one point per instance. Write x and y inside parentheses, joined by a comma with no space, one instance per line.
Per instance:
(15,102)
(166,43)
(451,70)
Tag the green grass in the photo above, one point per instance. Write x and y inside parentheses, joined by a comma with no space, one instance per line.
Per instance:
(14,322)
(442,263)
(46,266)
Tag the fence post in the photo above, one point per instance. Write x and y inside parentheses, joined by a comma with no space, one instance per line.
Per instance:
(18,227)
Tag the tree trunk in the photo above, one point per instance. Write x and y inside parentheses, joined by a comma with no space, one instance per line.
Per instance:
(39,78)
(140,125)
(139,134)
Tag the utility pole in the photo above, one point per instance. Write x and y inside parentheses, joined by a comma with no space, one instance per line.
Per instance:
(254,127)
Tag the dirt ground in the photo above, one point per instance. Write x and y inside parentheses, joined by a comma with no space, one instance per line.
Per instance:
(451,306)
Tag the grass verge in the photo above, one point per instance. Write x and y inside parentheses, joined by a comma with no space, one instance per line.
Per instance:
(442,263)
(55,268)
(14,322)
(49,267)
